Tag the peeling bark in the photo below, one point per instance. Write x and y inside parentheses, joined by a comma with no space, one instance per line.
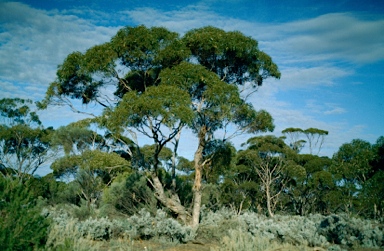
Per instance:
(172,202)
(197,191)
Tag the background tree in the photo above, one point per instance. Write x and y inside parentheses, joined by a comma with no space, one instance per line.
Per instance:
(310,187)
(315,139)
(267,156)
(24,142)
(87,158)
(352,166)
(294,138)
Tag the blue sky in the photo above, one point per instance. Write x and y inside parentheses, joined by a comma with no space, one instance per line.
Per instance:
(330,53)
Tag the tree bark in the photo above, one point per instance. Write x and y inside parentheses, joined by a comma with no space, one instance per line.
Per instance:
(173,202)
(269,201)
(198,165)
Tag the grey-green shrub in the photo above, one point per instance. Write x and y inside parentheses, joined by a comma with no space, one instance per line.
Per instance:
(310,231)
(142,225)
(351,231)
(313,230)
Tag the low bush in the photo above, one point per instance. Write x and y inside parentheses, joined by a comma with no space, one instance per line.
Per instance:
(140,226)
(313,230)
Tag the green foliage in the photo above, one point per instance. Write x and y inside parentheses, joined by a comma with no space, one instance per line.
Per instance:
(165,104)
(74,139)
(95,161)
(22,227)
(214,102)
(352,161)
(129,195)
(17,111)
(311,187)
(234,57)
(24,143)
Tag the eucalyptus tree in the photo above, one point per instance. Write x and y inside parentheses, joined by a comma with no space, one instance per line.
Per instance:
(236,60)
(87,158)
(310,188)
(24,142)
(271,160)
(294,138)
(162,83)
(215,105)
(352,168)
(315,139)
(159,113)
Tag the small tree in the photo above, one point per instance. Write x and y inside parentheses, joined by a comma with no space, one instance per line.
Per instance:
(315,138)
(293,135)
(267,155)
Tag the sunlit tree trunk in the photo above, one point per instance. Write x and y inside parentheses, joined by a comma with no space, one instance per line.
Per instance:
(197,189)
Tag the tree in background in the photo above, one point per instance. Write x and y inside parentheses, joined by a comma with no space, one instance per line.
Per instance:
(315,139)
(269,157)
(352,167)
(293,135)
(24,142)
(309,188)
(87,158)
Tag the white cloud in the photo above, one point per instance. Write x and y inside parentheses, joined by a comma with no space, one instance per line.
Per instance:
(340,36)
(33,42)
(295,77)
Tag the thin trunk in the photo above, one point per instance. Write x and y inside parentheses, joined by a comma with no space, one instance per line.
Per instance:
(269,201)
(174,157)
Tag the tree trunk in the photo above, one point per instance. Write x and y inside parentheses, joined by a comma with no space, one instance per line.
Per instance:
(172,203)
(197,191)
(269,201)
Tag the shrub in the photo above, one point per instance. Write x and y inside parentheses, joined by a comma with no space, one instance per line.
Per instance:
(129,195)
(22,227)
(238,240)
(140,226)
(351,232)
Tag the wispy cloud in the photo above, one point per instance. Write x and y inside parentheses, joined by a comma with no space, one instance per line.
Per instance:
(336,110)
(308,77)
(33,42)
(337,36)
